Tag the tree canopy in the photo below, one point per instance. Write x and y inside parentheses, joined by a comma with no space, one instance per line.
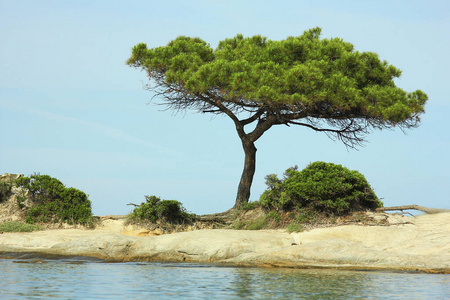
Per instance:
(322,84)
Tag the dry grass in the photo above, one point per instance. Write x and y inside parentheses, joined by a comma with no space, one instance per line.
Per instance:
(294,221)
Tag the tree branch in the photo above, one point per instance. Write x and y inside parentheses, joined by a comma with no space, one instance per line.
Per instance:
(253,118)
(262,126)
(350,132)
(217,103)
(212,111)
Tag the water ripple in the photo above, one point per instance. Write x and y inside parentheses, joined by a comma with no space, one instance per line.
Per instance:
(79,278)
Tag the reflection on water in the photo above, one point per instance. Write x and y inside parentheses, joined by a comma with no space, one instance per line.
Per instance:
(79,278)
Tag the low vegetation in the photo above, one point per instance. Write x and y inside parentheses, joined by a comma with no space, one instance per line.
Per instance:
(53,202)
(321,194)
(18,227)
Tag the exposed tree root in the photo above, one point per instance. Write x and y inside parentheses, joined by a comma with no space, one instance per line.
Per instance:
(427,210)
(112,217)
(223,217)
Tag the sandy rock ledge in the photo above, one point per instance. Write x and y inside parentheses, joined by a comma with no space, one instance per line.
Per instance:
(410,243)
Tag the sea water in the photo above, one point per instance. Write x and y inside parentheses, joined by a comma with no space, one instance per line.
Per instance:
(84,278)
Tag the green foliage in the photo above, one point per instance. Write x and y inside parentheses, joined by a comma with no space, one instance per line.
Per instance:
(307,215)
(256,220)
(256,224)
(20,201)
(157,210)
(18,227)
(252,224)
(250,205)
(273,215)
(320,187)
(295,227)
(53,202)
(5,190)
(302,76)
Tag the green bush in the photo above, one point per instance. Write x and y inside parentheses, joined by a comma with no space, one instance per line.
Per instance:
(167,211)
(5,190)
(53,202)
(323,187)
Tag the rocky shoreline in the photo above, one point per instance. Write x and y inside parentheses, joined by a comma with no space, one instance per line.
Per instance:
(408,243)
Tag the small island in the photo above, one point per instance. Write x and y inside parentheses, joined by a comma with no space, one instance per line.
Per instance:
(366,240)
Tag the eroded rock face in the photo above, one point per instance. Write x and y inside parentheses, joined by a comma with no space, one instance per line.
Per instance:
(422,243)
(9,209)
(9,177)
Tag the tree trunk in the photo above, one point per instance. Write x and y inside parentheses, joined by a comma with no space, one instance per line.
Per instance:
(243,194)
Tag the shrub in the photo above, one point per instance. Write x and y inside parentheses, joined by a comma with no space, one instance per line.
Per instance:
(53,202)
(21,202)
(324,187)
(5,190)
(157,210)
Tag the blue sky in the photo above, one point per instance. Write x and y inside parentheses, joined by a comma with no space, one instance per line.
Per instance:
(71,108)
